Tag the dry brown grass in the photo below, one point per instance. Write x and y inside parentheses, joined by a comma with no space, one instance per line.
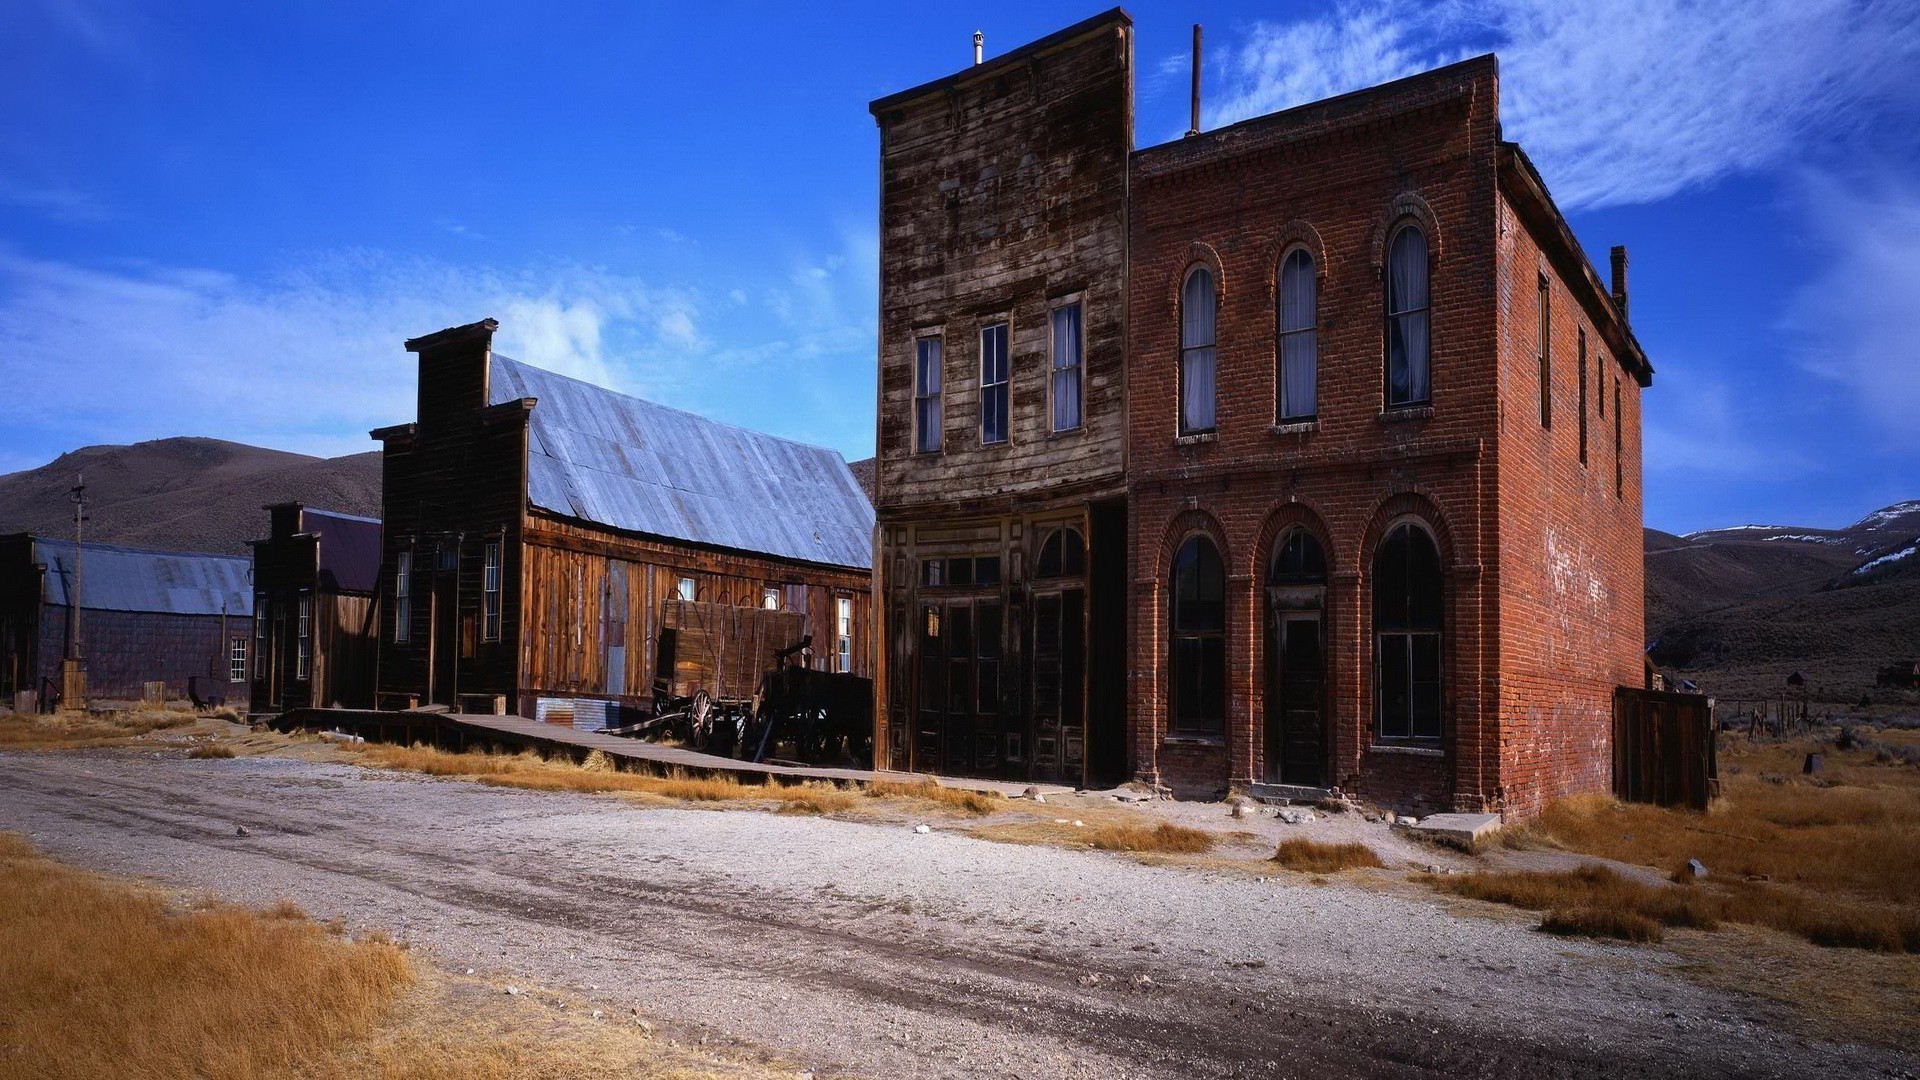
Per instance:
(1603,922)
(78,730)
(1592,899)
(1165,838)
(1313,857)
(597,774)
(104,978)
(1835,859)
(206,750)
(960,800)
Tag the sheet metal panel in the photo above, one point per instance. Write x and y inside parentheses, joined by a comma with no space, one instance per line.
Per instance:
(349,549)
(130,579)
(630,464)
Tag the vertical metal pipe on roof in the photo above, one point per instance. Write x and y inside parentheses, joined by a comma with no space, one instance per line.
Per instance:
(1195,128)
(979,47)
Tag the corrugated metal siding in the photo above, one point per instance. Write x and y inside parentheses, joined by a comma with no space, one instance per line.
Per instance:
(630,464)
(129,579)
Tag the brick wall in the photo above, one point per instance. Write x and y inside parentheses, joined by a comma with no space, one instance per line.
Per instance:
(1333,178)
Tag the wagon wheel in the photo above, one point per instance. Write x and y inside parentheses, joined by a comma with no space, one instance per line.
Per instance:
(699,716)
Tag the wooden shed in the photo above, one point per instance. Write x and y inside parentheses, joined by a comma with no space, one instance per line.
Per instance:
(314,578)
(553,548)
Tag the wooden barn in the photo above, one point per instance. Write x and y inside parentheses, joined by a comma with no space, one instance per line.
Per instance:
(315,636)
(552,548)
(142,616)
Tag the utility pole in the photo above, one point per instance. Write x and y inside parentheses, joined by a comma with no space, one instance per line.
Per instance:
(74,671)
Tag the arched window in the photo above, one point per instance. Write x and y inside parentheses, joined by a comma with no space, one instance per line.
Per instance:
(1299,347)
(1063,555)
(1298,560)
(1199,639)
(1407,374)
(1407,603)
(1197,302)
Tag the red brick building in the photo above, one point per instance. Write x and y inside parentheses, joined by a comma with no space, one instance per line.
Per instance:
(1384,447)
(1368,415)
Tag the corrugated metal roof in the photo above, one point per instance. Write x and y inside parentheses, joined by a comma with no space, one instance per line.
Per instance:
(130,579)
(634,465)
(349,549)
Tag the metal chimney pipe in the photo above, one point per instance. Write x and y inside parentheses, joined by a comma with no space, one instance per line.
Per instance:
(1620,279)
(979,46)
(1194,129)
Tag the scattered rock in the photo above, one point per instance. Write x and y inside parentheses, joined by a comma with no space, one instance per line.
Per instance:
(243,831)
(469,971)
(1142,982)
(513,991)
(1061,821)
(1409,821)
(1696,869)
(923,829)
(1296,817)
(1239,809)
(1813,766)
(1035,794)
(1390,817)
(1078,824)
(596,1014)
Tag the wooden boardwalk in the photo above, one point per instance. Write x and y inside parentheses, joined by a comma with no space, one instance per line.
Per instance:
(460,731)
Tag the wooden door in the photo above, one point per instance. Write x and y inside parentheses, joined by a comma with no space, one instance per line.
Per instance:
(1059,686)
(1296,714)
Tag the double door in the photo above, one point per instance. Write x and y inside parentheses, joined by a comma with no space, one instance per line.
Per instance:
(960,719)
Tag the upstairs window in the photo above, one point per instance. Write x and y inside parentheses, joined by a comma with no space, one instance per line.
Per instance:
(685,589)
(237,660)
(1546,354)
(843,634)
(1067,350)
(1407,319)
(1197,303)
(490,594)
(993,384)
(402,598)
(1299,349)
(926,396)
(1583,395)
(1199,639)
(770,599)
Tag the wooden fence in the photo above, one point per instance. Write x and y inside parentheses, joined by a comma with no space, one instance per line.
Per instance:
(1663,748)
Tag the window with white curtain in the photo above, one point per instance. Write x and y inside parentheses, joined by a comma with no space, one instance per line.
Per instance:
(926,396)
(1407,322)
(1197,303)
(993,384)
(843,634)
(1067,366)
(1299,337)
(402,598)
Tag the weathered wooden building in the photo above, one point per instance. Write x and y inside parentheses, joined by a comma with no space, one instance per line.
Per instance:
(1308,446)
(143,616)
(552,547)
(315,580)
(1001,478)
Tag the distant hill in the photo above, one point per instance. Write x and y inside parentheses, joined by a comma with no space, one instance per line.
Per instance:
(185,494)
(1740,609)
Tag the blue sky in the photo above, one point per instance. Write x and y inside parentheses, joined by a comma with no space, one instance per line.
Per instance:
(223,218)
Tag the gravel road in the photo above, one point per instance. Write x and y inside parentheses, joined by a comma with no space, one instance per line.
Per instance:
(873,950)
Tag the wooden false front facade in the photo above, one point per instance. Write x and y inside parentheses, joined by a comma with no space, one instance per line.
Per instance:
(496,597)
(315,580)
(1001,479)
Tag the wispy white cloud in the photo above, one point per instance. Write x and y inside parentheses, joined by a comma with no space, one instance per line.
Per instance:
(1855,316)
(1620,101)
(1699,427)
(310,359)
(61,203)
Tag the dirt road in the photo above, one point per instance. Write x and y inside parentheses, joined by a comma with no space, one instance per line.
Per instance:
(877,951)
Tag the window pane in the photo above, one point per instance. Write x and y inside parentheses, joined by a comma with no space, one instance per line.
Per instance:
(926,389)
(986,570)
(1299,374)
(1196,389)
(993,384)
(987,630)
(960,631)
(1407,381)
(1395,675)
(1066,367)
(1199,588)
(1425,690)
(1196,310)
